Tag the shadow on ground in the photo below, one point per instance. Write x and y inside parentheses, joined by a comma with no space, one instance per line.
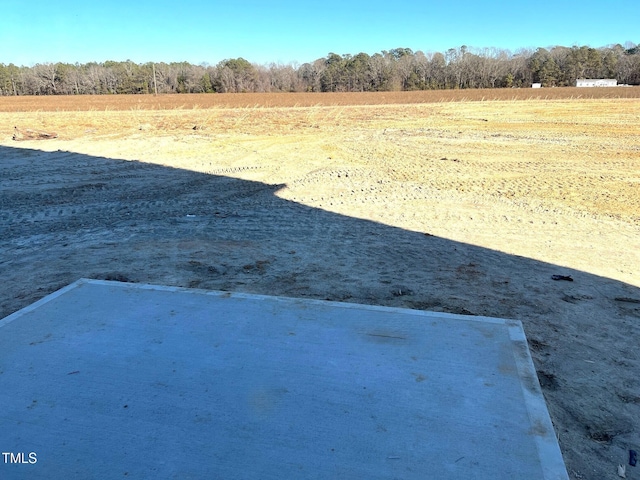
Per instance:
(64,216)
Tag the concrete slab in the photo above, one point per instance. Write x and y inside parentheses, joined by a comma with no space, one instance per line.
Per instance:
(113,380)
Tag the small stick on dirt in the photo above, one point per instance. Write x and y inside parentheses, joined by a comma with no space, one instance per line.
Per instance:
(627,299)
(566,278)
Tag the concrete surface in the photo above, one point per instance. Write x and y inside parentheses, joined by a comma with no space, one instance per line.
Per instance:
(115,380)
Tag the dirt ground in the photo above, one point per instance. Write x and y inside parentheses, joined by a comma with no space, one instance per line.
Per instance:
(463,207)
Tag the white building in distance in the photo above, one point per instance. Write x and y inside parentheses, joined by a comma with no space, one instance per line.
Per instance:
(596,82)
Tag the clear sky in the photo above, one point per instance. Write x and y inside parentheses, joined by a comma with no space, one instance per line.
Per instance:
(208,31)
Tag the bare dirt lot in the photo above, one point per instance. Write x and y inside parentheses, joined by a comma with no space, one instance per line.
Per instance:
(467,207)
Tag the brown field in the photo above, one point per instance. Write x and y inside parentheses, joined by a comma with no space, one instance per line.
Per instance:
(262,100)
(464,201)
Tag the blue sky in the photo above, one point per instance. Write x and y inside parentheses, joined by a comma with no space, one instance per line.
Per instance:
(201,31)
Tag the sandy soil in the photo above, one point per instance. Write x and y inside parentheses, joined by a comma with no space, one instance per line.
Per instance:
(465,207)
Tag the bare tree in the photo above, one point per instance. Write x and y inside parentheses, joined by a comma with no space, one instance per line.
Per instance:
(46,78)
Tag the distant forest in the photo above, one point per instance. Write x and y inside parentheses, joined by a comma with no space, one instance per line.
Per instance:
(393,70)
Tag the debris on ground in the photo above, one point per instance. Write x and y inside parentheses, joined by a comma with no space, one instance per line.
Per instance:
(566,278)
(622,471)
(28,134)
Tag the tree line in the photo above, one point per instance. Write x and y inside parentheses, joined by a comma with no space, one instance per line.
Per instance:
(393,70)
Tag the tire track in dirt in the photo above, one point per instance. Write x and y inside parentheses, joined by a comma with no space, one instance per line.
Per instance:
(63,195)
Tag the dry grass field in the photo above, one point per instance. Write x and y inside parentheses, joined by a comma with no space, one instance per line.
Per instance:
(467,202)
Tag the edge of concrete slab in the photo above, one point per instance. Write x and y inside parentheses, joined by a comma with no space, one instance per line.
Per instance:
(52,296)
